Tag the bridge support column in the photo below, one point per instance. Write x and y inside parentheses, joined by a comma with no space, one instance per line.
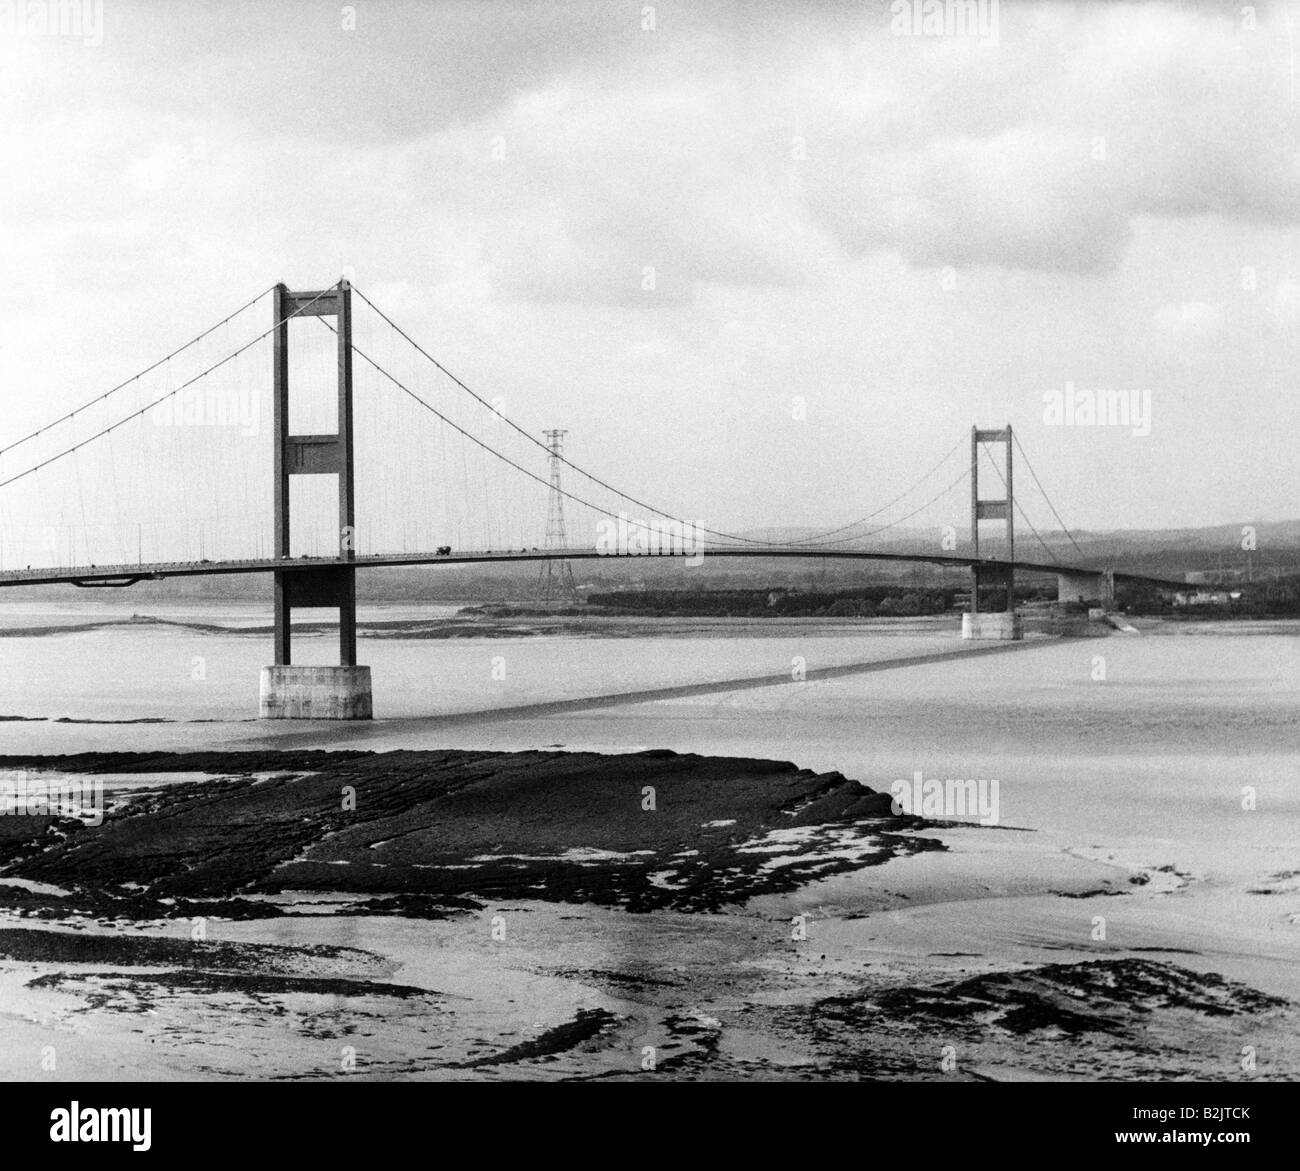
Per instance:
(315,693)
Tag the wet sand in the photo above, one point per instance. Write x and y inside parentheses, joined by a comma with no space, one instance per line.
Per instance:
(529,915)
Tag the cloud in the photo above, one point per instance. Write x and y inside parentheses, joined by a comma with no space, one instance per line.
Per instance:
(635,197)
(1187,321)
(380,72)
(988,158)
(1285,302)
(1040,155)
(568,152)
(1026,198)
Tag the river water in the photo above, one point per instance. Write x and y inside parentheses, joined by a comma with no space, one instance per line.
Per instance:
(1171,755)
(1157,729)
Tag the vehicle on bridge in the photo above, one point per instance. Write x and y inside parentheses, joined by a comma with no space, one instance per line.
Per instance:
(442,551)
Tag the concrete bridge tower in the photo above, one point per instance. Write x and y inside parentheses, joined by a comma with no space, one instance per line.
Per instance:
(315,693)
(999,580)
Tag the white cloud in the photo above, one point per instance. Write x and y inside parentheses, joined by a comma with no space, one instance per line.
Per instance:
(1285,302)
(1189,320)
(1015,164)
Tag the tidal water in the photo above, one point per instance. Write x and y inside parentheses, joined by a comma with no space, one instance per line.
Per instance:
(1164,765)
(1167,732)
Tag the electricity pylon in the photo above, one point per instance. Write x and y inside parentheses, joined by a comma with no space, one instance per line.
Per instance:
(556,583)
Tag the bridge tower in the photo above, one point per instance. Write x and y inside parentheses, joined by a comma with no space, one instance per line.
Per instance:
(1003,622)
(314,693)
(556,582)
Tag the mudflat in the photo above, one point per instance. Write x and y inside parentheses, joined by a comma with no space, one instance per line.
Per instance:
(440,913)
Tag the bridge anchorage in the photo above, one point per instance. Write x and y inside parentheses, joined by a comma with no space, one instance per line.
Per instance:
(315,693)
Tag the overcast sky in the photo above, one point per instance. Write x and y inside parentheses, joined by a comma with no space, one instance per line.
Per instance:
(862,241)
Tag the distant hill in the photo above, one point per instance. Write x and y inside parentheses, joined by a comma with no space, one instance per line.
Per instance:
(1163,552)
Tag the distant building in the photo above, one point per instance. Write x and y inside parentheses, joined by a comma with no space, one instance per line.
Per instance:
(1211,576)
(1206,597)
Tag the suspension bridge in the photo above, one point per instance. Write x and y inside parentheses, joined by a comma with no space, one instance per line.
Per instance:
(101,496)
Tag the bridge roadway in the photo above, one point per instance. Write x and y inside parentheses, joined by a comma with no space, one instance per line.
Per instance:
(124,575)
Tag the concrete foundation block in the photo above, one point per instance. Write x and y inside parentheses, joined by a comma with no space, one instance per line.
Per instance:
(315,693)
(997,625)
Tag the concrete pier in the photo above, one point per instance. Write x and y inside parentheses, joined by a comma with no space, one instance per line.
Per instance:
(315,693)
(1000,624)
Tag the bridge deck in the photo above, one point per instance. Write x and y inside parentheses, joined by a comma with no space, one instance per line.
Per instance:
(102,575)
